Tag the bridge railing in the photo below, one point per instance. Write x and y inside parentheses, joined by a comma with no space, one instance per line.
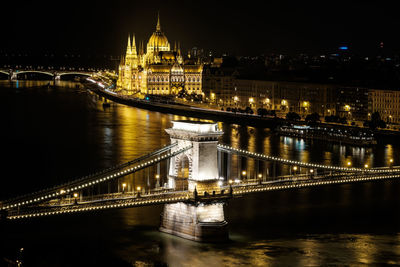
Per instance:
(84,182)
(263,157)
(112,203)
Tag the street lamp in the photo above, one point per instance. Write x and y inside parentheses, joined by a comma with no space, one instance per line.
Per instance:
(251,101)
(244,173)
(349,163)
(366,166)
(267,102)
(76,198)
(284,104)
(236,99)
(294,170)
(123,187)
(212,97)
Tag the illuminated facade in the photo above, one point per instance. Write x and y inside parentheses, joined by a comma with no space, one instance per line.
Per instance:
(387,103)
(159,70)
(197,170)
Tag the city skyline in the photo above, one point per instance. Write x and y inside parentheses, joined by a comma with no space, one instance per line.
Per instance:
(254,29)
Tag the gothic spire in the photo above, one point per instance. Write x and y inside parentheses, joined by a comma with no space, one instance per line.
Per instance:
(158,27)
(129,42)
(179,49)
(134,45)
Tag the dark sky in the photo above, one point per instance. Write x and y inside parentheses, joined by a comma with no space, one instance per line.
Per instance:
(243,28)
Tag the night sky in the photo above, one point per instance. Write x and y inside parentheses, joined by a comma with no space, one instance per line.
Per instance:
(244,28)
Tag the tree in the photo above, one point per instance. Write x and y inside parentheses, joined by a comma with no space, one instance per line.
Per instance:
(262,112)
(248,110)
(292,116)
(376,121)
(312,118)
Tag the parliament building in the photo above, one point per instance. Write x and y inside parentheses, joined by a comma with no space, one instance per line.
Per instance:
(158,70)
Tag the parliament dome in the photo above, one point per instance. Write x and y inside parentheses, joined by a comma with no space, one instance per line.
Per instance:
(158,41)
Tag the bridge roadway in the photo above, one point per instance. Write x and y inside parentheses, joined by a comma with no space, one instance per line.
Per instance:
(148,160)
(163,196)
(96,178)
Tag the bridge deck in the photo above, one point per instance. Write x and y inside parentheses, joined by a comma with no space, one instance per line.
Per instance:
(156,197)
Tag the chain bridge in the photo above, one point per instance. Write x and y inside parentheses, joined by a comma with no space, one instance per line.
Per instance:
(193,177)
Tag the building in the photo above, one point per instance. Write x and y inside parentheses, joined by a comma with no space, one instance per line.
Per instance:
(387,103)
(223,86)
(352,103)
(158,70)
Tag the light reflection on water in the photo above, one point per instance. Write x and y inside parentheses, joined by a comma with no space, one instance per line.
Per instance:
(74,134)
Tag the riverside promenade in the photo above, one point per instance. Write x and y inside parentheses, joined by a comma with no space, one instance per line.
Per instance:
(271,122)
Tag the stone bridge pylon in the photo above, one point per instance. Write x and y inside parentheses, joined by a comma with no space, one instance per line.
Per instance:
(197,171)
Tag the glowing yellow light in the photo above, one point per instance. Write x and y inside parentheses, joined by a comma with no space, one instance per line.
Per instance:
(230,181)
(251,100)
(347,107)
(267,101)
(259,175)
(157,176)
(349,163)
(306,104)
(366,166)
(295,168)
(124,185)
(138,188)
(244,173)
(311,170)
(284,102)
(391,160)
(75,194)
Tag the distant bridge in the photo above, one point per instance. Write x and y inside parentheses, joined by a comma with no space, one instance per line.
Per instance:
(54,74)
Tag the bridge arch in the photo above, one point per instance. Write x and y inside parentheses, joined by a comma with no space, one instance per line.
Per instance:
(183,170)
(74,73)
(33,71)
(16,73)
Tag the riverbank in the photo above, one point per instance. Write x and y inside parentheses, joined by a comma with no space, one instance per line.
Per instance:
(189,111)
(382,136)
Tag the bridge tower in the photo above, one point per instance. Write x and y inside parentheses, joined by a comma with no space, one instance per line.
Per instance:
(195,170)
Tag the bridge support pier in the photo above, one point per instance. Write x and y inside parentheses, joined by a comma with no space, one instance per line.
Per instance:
(198,167)
(197,222)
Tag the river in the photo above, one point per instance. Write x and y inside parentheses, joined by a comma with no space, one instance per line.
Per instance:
(50,135)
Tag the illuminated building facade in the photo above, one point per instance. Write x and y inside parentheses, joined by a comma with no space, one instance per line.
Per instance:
(387,103)
(159,70)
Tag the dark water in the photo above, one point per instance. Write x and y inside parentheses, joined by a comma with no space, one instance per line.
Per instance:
(52,135)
